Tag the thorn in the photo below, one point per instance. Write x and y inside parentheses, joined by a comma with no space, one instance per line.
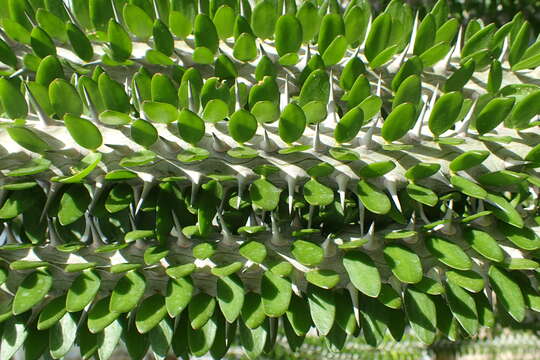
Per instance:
(378,91)
(156,9)
(182,240)
(29,19)
(427,113)
(329,246)
(284,101)
(17,73)
(372,243)
(318,145)
(191,99)
(100,187)
(219,145)
(390,185)
(504,49)
(307,57)
(310,215)
(449,228)
(43,117)
(115,12)
(464,130)
(147,186)
(367,139)
(54,238)
(291,185)
(51,194)
(412,40)
(268,146)
(458,43)
(276,238)
(331,108)
(361,216)
(354,297)
(238,101)
(91,106)
(423,214)
(342,181)
(241,182)
(228,238)
(70,14)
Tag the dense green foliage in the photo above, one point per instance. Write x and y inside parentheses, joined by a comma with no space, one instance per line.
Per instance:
(176,174)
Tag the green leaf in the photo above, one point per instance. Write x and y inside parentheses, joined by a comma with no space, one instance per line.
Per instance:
(162,90)
(84,132)
(41,42)
(422,314)
(179,293)
(335,51)
(52,313)
(332,26)
(254,251)
(315,88)
(137,21)
(151,311)
(245,48)
(460,77)
(31,291)
(504,211)
(468,187)
(216,110)
(484,244)
(73,204)
(389,297)
(469,280)
(242,126)
(127,292)
(15,332)
(519,44)
(252,310)
(264,194)
(445,112)
(276,294)
(190,126)
(525,109)
(144,133)
(425,35)
(322,308)
(349,125)
(65,98)
(205,33)
(410,91)
(502,178)
(230,296)
(99,317)
(307,253)
(114,118)
(7,56)
(494,113)
(82,291)
(200,309)
(356,20)
(317,194)
(323,278)
(399,122)
(363,272)
(292,123)
(119,41)
(79,42)
(379,34)
(27,139)
(374,200)
(62,336)
(463,307)
(113,94)
(468,160)
(524,238)
(222,21)
(422,171)
(376,169)
(448,252)
(263,19)
(422,195)
(159,112)
(12,100)
(163,40)
(404,263)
